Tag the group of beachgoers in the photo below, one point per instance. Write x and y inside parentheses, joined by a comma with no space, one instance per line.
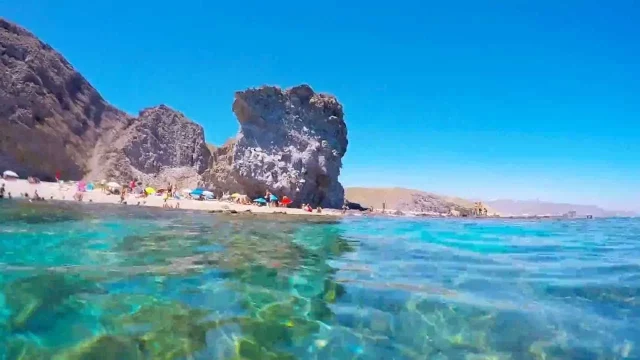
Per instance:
(171,192)
(136,188)
(5,194)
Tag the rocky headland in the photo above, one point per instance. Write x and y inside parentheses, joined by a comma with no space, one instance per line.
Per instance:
(51,118)
(291,141)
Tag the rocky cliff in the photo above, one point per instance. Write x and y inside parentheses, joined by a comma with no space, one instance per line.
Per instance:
(51,118)
(290,142)
(161,145)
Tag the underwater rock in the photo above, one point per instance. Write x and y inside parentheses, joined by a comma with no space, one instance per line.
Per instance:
(247,349)
(21,348)
(35,301)
(168,330)
(104,347)
(39,213)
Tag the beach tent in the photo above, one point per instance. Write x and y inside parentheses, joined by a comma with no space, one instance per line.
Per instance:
(114,185)
(150,191)
(197,192)
(235,195)
(9,174)
(90,186)
(208,195)
(260,201)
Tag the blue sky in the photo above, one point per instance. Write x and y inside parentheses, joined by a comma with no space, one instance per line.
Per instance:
(525,100)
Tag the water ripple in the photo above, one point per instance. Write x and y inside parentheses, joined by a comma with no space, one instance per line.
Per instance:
(186,285)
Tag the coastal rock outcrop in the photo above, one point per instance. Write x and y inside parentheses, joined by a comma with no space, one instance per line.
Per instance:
(51,118)
(290,142)
(161,145)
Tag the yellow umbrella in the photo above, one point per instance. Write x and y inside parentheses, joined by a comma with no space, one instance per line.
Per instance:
(235,195)
(150,190)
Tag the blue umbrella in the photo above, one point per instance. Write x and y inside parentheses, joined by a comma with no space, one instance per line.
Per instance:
(197,191)
(260,200)
(273,197)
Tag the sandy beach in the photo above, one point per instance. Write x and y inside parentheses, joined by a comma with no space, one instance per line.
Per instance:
(55,191)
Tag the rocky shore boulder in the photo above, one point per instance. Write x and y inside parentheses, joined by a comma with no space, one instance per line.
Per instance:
(290,142)
(51,118)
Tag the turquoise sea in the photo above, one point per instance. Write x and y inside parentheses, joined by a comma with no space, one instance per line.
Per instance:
(125,282)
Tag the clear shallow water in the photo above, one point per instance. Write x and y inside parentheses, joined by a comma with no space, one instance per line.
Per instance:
(96,282)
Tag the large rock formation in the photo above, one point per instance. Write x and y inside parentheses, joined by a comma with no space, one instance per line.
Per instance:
(159,146)
(291,142)
(51,118)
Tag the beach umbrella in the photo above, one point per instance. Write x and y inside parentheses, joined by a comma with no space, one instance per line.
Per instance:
(273,198)
(235,195)
(114,185)
(197,191)
(9,174)
(150,190)
(207,193)
(285,201)
(260,200)
(90,186)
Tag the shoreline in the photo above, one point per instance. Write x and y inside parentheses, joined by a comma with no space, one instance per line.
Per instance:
(56,192)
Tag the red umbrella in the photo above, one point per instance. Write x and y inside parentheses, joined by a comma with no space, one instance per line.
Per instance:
(285,201)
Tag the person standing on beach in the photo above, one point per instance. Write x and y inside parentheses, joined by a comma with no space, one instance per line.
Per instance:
(2,190)
(267,196)
(123,194)
(165,197)
(58,177)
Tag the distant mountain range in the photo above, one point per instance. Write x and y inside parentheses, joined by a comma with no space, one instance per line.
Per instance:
(420,201)
(408,200)
(534,207)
